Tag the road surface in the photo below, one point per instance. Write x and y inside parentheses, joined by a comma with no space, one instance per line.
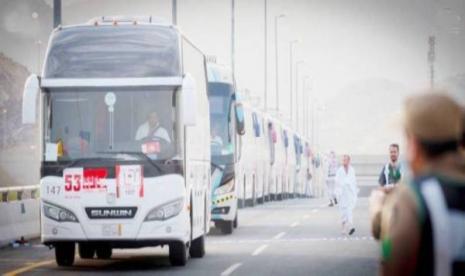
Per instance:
(292,237)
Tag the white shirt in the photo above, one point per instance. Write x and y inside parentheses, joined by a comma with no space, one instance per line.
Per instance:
(160,132)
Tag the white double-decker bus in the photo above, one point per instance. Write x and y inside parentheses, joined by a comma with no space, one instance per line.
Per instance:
(124,121)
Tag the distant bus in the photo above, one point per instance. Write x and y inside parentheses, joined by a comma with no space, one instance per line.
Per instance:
(227,127)
(125,140)
(255,156)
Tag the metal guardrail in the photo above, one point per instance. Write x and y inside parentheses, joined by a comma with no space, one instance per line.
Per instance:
(19,193)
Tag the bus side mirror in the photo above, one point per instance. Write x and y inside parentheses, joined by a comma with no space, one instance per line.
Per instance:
(31,90)
(189,101)
(240,125)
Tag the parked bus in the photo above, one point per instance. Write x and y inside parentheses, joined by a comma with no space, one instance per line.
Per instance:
(253,164)
(125,137)
(227,128)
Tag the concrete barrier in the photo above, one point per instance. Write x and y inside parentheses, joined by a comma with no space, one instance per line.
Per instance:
(19,219)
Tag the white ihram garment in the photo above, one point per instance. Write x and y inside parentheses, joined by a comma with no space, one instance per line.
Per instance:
(330,179)
(144,129)
(347,191)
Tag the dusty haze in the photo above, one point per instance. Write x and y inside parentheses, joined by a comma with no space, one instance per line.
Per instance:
(363,57)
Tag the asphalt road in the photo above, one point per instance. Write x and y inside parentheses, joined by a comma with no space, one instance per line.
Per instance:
(292,237)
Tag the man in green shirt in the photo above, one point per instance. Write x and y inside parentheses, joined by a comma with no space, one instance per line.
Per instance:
(391,172)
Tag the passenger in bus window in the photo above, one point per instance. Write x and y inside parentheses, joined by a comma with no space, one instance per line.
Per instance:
(152,129)
(215,137)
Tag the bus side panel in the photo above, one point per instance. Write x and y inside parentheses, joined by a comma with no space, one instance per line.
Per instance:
(197,144)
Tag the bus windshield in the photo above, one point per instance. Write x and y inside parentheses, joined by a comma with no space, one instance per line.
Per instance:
(81,124)
(221,111)
(113,52)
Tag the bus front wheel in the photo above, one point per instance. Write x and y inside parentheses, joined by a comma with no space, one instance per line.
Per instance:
(64,253)
(197,249)
(178,253)
(226,226)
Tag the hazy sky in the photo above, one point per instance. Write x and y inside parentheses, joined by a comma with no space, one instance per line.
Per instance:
(348,45)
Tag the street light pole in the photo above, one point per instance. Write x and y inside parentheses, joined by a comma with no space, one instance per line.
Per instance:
(431,58)
(291,60)
(174,11)
(232,37)
(56,13)
(276,18)
(265,96)
(305,106)
(300,62)
(297,105)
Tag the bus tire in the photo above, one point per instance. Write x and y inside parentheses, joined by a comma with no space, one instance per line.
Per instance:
(226,227)
(86,250)
(236,222)
(64,253)
(197,249)
(104,251)
(178,253)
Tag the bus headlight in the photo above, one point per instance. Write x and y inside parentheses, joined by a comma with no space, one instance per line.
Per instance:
(58,213)
(224,189)
(166,211)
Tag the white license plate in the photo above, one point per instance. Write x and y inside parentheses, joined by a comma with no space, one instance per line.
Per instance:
(111,230)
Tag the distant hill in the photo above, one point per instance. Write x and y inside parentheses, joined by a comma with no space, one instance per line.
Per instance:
(365,118)
(12,78)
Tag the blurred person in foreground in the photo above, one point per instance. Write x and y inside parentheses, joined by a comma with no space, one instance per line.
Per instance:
(421,222)
(391,173)
(347,191)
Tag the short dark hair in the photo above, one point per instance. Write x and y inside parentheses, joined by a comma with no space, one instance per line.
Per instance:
(438,149)
(394,145)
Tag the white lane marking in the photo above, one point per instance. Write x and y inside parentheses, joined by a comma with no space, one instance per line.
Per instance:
(231,269)
(278,236)
(333,238)
(259,250)
(294,224)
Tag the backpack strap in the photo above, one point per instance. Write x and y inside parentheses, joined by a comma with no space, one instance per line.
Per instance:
(439,215)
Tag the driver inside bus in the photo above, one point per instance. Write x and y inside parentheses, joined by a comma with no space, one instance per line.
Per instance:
(152,129)
(215,137)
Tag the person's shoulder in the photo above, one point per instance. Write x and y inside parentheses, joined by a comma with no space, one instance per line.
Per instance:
(143,125)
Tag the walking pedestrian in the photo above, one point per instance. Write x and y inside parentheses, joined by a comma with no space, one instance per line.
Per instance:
(347,192)
(330,179)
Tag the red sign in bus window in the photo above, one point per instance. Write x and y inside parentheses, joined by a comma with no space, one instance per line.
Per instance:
(94,178)
(152,147)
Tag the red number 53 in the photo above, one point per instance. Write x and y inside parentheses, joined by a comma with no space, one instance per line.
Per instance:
(73,182)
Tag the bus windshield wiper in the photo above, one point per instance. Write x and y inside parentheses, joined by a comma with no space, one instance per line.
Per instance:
(137,153)
(74,162)
(218,166)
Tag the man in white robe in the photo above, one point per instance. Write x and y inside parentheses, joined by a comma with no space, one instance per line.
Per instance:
(347,191)
(330,178)
(152,128)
